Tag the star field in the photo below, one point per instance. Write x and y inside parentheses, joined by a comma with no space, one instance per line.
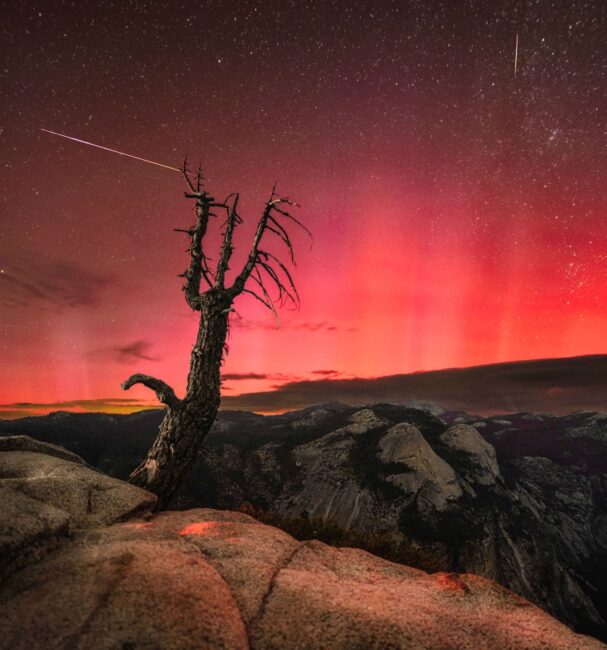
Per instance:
(458,210)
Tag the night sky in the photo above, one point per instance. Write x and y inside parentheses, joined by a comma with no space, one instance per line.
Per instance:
(458,209)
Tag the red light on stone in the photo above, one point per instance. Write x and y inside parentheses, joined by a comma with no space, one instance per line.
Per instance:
(200,528)
(451,582)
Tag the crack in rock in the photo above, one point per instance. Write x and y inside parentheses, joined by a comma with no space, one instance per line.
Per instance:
(266,597)
(195,549)
(121,564)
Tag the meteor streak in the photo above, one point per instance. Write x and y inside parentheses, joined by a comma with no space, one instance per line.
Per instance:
(120,153)
(515,55)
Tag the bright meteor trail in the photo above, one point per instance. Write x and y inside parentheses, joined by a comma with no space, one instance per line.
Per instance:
(120,153)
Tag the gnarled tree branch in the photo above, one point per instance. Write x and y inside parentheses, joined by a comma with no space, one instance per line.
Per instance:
(260,260)
(227,248)
(198,267)
(164,392)
(243,276)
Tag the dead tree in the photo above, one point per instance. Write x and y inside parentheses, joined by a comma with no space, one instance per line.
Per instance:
(188,420)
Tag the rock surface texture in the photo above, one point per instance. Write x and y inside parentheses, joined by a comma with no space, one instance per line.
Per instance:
(47,492)
(109,576)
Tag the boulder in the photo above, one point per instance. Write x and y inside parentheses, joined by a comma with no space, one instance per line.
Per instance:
(25,443)
(104,593)
(88,496)
(337,599)
(47,492)
(206,579)
(27,526)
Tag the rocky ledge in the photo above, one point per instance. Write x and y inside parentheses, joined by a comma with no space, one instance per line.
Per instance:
(85,565)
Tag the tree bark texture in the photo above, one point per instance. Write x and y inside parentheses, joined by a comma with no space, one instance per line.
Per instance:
(188,421)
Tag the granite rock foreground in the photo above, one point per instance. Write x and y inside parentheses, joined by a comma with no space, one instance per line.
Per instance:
(84,565)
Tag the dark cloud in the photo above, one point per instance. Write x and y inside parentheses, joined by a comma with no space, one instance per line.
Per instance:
(49,285)
(125,353)
(326,373)
(320,326)
(546,385)
(242,376)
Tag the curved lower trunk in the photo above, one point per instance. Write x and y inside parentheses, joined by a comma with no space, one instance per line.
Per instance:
(188,421)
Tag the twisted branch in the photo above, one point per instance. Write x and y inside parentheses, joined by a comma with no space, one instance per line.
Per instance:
(243,276)
(164,392)
(284,291)
(266,300)
(227,248)
(198,267)
(261,260)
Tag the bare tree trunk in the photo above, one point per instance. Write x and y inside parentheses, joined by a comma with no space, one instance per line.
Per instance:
(188,421)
